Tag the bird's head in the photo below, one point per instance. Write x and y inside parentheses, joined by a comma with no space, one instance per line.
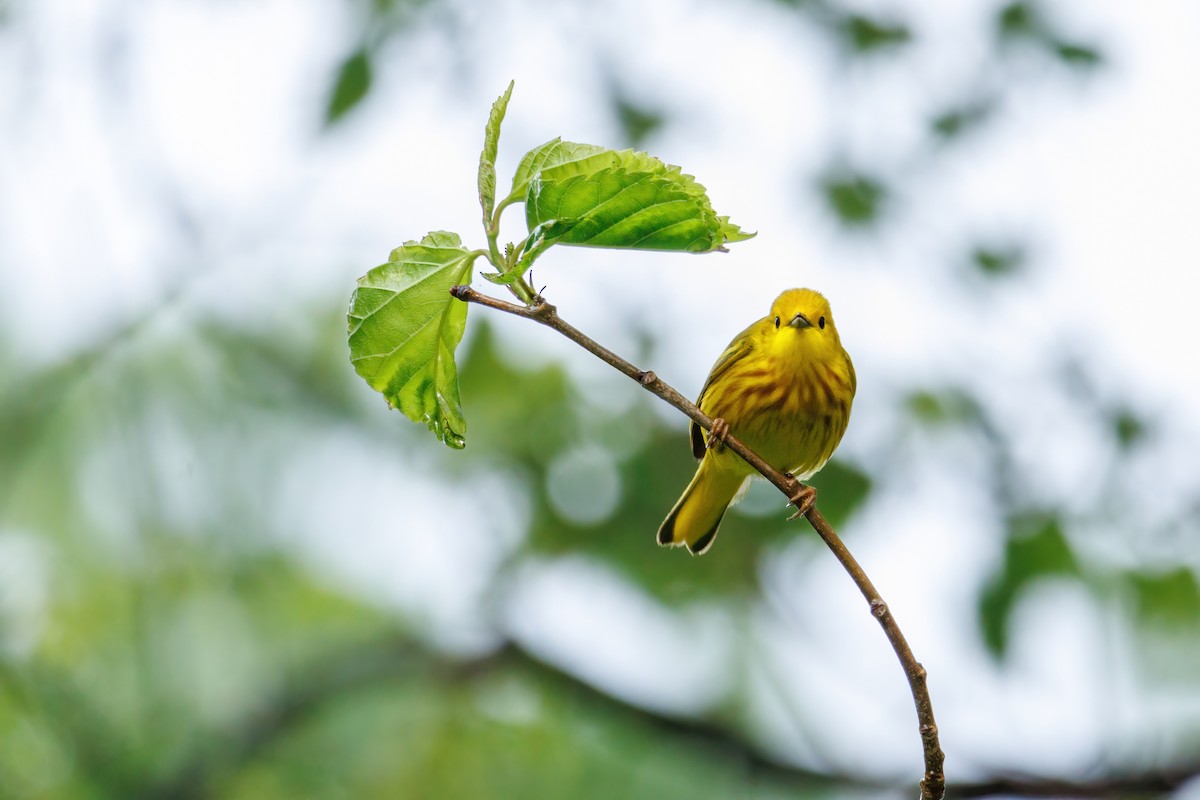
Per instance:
(800,318)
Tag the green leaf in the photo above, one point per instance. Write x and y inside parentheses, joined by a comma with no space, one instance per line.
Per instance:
(540,240)
(626,199)
(1037,548)
(554,153)
(352,84)
(487,159)
(404,327)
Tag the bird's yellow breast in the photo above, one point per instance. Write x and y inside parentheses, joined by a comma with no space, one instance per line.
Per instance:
(787,395)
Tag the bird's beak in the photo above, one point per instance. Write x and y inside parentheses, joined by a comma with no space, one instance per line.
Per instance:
(800,321)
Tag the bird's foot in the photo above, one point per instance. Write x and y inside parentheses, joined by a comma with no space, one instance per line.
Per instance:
(716,436)
(804,499)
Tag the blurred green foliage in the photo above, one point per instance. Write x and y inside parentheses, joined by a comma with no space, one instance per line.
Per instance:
(350,86)
(638,119)
(1026,23)
(863,34)
(954,407)
(199,658)
(998,261)
(856,199)
(1036,549)
(960,119)
(160,643)
(1018,20)
(1129,428)
(1170,598)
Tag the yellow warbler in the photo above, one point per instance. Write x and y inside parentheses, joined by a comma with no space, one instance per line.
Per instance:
(784,387)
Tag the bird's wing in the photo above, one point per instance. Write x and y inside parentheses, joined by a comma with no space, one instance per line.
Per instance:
(741,345)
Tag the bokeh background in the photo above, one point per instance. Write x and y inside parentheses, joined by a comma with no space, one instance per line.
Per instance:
(227,570)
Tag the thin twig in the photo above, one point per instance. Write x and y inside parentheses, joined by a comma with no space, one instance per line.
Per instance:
(933,785)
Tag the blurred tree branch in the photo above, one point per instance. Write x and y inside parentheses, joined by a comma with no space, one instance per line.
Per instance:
(395,658)
(934,783)
(1155,783)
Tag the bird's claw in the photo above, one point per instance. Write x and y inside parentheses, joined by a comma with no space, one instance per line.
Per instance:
(804,499)
(716,436)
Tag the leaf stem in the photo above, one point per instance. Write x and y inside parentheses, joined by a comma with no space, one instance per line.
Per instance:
(492,231)
(493,253)
(494,228)
(537,309)
(519,248)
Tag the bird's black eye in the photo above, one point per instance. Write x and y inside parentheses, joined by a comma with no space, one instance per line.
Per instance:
(821,323)
(777,322)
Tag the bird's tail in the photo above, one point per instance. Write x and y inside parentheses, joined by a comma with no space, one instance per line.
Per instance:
(695,518)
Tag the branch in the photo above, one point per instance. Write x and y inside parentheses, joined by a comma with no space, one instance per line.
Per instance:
(933,785)
(1152,783)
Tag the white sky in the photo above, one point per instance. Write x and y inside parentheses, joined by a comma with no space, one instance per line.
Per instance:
(125,119)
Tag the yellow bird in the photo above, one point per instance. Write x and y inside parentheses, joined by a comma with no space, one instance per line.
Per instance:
(783,386)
